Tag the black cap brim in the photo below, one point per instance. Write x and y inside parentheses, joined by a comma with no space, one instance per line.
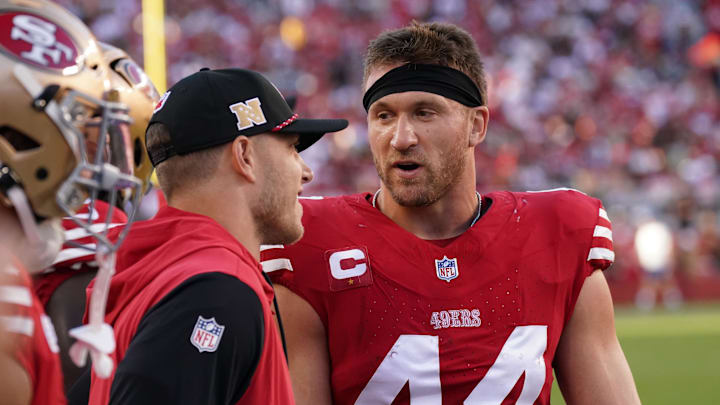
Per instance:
(311,130)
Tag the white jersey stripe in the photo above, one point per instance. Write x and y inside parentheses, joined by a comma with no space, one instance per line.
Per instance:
(79,233)
(86,215)
(602,232)
(555,189)
(15,294)
(601,254)
(268,247)
(74,253)
(276,264)
(50,335)
(18,324)
(603,214)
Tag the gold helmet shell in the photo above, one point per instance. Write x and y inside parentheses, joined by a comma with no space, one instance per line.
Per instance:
(140,95)
(52,79)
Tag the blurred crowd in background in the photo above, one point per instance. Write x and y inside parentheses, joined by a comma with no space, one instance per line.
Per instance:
(617,98)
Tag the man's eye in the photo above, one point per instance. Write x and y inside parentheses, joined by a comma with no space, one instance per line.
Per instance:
(383,115)
(425,113)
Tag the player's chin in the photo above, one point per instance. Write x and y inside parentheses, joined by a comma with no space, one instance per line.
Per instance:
(295,229)
(286,232)
(411,195)
(295,234)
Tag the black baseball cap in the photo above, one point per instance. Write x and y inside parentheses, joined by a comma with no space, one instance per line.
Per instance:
(213,107)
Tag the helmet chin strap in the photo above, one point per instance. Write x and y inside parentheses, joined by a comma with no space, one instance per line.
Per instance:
(25,215)
(44,241)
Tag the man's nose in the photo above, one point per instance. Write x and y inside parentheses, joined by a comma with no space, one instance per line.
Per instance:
(404,137)
(307,173)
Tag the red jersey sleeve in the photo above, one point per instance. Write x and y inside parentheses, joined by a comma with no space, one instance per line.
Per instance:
(601,255)
(73,233)
(278,266)
(582,221)
(72,260)
(584,235)
(37,349)
(290,267)
(302,267)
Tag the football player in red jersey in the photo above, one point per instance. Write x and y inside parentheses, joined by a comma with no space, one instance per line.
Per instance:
(63,139)
(426,292)
(61,287)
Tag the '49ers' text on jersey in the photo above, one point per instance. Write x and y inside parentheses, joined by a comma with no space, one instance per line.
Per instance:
(476,319)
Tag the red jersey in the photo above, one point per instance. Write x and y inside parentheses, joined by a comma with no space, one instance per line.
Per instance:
(162,253)
(38,347)
(73,260)
(475,319)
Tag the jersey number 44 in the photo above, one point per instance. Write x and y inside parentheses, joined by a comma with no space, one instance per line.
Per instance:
(415,360)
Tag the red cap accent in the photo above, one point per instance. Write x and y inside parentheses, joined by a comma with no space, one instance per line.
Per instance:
(285,123)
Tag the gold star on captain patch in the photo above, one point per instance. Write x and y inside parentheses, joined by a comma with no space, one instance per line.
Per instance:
(351,282)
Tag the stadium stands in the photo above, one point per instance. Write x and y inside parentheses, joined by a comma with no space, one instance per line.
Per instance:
(618,98)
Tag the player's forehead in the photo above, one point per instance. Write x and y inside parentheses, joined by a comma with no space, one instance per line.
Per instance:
(414,100)
(377,72)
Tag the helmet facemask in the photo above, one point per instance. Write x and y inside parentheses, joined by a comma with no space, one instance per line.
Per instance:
(97,132)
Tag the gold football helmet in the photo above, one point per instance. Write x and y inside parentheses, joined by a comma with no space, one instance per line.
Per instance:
(64,135)
(139,94)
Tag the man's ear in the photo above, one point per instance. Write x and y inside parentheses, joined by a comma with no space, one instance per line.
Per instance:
(243,161)
(480,116)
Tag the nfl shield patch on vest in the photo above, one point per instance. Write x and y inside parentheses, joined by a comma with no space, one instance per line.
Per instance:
(206,334)
(446,269)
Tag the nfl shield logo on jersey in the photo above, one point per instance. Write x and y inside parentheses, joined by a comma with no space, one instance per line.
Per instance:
(206,334)
(446,269)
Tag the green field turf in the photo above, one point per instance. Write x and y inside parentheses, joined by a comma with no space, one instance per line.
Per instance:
(674,356)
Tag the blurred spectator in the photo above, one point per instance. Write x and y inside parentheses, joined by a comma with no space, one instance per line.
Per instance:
(654,248)
(618,98)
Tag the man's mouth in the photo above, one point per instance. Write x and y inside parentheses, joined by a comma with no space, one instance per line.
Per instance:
(407,168)
(406,165)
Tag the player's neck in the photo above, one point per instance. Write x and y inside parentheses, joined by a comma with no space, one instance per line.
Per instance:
(448,217)
(230,212)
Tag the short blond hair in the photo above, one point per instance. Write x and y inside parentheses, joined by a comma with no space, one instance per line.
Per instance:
(428,43)
(181,170)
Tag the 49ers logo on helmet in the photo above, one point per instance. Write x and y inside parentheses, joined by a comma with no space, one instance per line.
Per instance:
(36,40)
(137,78)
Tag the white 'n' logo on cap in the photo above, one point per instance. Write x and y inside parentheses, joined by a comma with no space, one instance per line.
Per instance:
(248,113)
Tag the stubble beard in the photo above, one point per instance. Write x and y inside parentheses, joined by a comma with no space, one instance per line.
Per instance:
(430,187)
(276,215)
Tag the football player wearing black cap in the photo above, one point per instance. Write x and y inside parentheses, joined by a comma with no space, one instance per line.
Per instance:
(192,310)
